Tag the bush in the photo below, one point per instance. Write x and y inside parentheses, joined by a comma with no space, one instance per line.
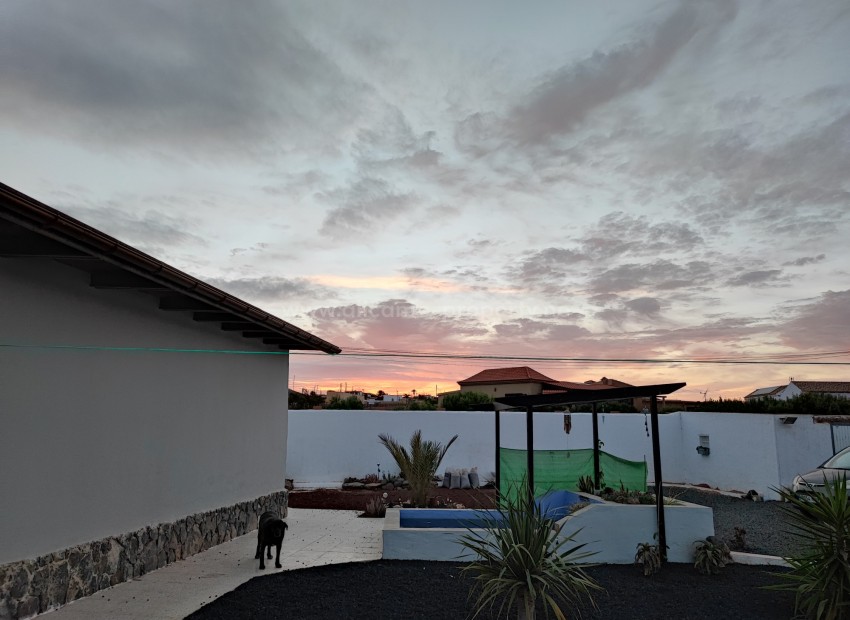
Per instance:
(711,555)
(350,402)
(459,401)
(648,556)
(521,558)
(821,575)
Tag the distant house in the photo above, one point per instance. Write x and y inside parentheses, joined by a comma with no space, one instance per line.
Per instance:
(764,393)
(498,382)
(343,395)
(143,412)
(832,388)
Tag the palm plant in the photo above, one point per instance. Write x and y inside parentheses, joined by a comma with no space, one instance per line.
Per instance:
(420,464)
(821,575)
(521,558)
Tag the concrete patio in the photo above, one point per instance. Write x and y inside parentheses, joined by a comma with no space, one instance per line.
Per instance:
(314,538)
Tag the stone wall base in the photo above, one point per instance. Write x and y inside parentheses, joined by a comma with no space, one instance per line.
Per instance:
(29,587)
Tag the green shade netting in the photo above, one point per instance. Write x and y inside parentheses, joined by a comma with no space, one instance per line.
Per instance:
(561,469)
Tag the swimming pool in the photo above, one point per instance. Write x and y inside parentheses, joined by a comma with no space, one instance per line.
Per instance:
(555,505)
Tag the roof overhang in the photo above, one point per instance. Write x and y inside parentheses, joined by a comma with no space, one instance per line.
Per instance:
(31,229)
(576,397)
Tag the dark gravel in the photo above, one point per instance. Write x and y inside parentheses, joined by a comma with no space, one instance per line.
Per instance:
(390,589)
(765,523)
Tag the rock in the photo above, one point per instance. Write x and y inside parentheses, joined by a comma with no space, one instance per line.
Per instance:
(373,486)
(27,607)
(353,485)
(388,486)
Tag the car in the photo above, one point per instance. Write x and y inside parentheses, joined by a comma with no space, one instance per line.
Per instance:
(815,481)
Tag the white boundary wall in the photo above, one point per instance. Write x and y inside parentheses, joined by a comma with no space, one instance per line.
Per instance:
(748,451)
(99,443)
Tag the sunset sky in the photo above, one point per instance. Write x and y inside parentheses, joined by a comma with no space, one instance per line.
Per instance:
(609,180)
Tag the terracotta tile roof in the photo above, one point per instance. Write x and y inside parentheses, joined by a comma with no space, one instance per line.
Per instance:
(827,387)
(516,374)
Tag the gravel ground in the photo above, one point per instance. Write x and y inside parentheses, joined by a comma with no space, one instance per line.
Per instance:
(393,589)
(765,523)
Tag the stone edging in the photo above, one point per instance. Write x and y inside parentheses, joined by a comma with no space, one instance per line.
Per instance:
(34,586)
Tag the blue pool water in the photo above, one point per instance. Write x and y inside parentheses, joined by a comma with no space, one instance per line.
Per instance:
(555,505)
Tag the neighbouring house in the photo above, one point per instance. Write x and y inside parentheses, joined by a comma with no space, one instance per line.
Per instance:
(523,380)
(498,382)
(764,393)
(143,412)
(794,388)
(343,395)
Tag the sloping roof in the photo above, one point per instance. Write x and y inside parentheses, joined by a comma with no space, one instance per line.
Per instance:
(31,229)
(766,391)
(516,374)
(571,385)
(588,396)
(824,387)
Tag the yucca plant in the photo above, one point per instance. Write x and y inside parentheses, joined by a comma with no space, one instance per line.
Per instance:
(820,576)
(520,559)
(649,557)
(419,465)
(711,555)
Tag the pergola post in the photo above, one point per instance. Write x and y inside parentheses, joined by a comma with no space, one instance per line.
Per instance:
(659,487)
(498,454)
(595,448)
(529,448)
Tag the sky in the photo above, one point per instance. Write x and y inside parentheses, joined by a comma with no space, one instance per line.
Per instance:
(634,180)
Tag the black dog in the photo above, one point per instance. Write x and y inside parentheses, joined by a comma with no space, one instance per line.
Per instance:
(270,532)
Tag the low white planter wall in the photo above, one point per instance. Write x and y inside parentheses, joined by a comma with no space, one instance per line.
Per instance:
(611,531)
(432,543)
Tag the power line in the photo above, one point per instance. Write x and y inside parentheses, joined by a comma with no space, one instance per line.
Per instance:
(795,359)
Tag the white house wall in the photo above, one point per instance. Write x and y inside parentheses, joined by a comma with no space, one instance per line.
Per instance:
(94,443)
(748,451)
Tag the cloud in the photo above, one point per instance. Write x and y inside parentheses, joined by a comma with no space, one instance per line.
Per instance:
(565,98)
(529,329)
(646,306)
(394,324)
(663,275)
(805,260)
(273,288)
(822,324)
(363,206)
(151,230)
(765,277)
(392,143)
(205,76)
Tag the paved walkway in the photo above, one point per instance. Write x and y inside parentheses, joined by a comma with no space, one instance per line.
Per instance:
(314,538)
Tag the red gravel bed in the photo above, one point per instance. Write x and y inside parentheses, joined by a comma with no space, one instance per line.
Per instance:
(356,499)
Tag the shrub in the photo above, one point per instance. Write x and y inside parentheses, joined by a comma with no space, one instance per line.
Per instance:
(459,401)
(821,575)
(521,558)
(351,402)
(420,464)
(649,556)
(585,484)
(375,508)
(711,555)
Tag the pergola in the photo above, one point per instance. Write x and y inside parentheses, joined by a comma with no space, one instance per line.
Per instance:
(593,397)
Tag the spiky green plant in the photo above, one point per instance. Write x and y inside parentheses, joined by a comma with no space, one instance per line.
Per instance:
(649,557)
(521,558)
(820,576)
(710,555)
(420,464)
